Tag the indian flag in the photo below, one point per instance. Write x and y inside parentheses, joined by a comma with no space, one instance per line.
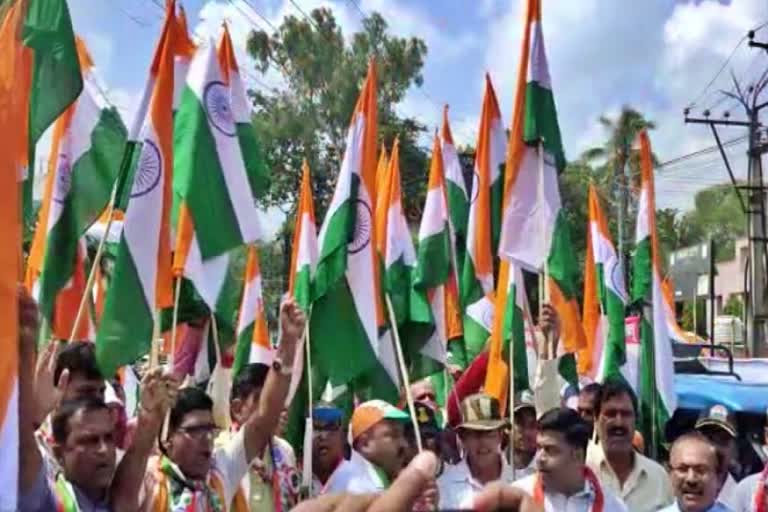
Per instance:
(477,281)
(48,76)
(347,279)
(209,172)
(424,354)
(657,373)
(535,232)
(435,271)
(13,111)
(304,255)
(456,190)
(253,345)
(382,168)
(141,280)
(605,299)
(88,142)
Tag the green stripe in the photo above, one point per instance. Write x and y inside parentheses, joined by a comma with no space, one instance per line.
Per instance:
(614,352)
(469,287)
(642,273)
(653,416)
(243,349)
(198,178)
(93,176)
(253,156)
(433,260)
(514,332)
(125,332)
(333,256)
(475,338)
(458,208)
(397,284)
(563,267)
(541,122)
(497,194)
(302,288)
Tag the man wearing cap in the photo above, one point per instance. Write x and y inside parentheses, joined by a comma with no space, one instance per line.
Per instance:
(481,434)
(329,467)
(719,426)
(524,443)
(378,448)
(430,432)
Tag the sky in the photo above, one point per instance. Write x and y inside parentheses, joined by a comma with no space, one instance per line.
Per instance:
(657,55)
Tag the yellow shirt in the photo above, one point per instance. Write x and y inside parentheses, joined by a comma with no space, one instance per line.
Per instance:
(647,488)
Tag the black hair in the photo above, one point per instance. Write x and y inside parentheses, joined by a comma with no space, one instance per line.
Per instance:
(79,357)
(593,388)
(695,435)
(611,388)
(189,399)
(568,422)
(60,420)
(250,378)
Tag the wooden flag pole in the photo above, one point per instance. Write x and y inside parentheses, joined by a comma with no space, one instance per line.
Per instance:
(154,351)
(174,324)
(306,477)
(404,373)
(511,374)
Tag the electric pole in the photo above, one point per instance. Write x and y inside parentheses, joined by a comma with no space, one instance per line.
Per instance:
(754,206)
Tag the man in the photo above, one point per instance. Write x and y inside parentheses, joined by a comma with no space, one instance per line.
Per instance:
(562,481)
(329,466)
(695,468)
(481,434)
(524,442)
(752,493)
(428,429)
(719,426)
(424,391)
(378,448)
(82,440)
(273,478)
(641,483)
(588,397)
(192,469)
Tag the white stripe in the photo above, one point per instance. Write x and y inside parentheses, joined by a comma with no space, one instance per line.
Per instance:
(260,354)
(131,386)
(137,124)
(9,445)
(435,215)
(241,108)
(203,72)
(359,275)
(207,276)
(482,313)
(538,68)
(250,303)
(202,371)
(180,70)
(643,228)
(486,281)
(399,242)
(307,253)
(605,254)
(530,213)
(141,227)
(663,357)
(498,149)
(75,142)
(435,347)
(452,166)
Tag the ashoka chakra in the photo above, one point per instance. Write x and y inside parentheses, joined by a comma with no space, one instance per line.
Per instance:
(361,235)
(219,108)
(148,171)
(63,179)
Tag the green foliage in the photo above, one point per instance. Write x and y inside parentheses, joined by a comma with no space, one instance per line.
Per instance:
(734,306)
(309,119)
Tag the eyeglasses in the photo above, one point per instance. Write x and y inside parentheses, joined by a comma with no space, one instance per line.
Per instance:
(201,431)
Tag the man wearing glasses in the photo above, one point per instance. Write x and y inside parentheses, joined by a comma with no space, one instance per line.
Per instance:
(330,468)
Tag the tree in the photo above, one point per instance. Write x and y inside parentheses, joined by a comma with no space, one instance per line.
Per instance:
(309,119)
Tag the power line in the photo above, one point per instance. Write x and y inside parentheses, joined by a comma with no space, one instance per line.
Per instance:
(131,17)
(357,6)
(700,152)
(264,18)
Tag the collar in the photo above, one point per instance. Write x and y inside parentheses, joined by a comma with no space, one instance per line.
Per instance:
(639,464)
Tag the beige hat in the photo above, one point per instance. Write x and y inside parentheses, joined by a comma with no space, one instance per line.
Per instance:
(481,412)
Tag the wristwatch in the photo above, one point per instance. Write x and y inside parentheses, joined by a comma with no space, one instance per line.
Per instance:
(280,368)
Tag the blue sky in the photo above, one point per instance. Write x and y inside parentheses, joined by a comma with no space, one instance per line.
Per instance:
(656,55)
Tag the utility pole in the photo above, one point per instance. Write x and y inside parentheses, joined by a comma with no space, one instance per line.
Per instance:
(754,206)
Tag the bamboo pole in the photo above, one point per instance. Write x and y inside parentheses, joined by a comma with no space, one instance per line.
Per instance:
(404,373)
(174,324)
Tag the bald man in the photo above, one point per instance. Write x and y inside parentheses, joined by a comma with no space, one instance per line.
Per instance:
(695,468)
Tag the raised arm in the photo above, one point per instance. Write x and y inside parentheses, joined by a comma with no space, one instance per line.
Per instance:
(258,429)
(158,393)
(546,388)
(30,459)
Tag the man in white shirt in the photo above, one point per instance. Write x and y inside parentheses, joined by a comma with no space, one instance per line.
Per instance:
(719,426)
(563,482)
(329,467)
(640,482)
(481,434)
(526,428)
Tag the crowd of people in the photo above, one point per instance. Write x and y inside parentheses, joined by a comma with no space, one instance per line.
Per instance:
(78,452)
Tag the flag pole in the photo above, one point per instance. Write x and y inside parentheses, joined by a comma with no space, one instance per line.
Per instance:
(404,372)
(544,290)
(174,324)
(154,350)
(306,476)
(512,403)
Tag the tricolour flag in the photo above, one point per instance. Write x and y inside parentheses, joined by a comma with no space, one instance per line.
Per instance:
(347,278)
(49,77)
(477,282)
(605,298)
(657,392)
(304,255)
(253,345)
(436,268)
(209,173)
(456,190)
(141,280)
(535,232)
(88,142)
(13,112)
(424,353)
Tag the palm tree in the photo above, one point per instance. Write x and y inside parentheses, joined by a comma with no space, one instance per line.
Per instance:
(615,155)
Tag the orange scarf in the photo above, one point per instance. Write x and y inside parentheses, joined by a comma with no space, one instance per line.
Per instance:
(589,476)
